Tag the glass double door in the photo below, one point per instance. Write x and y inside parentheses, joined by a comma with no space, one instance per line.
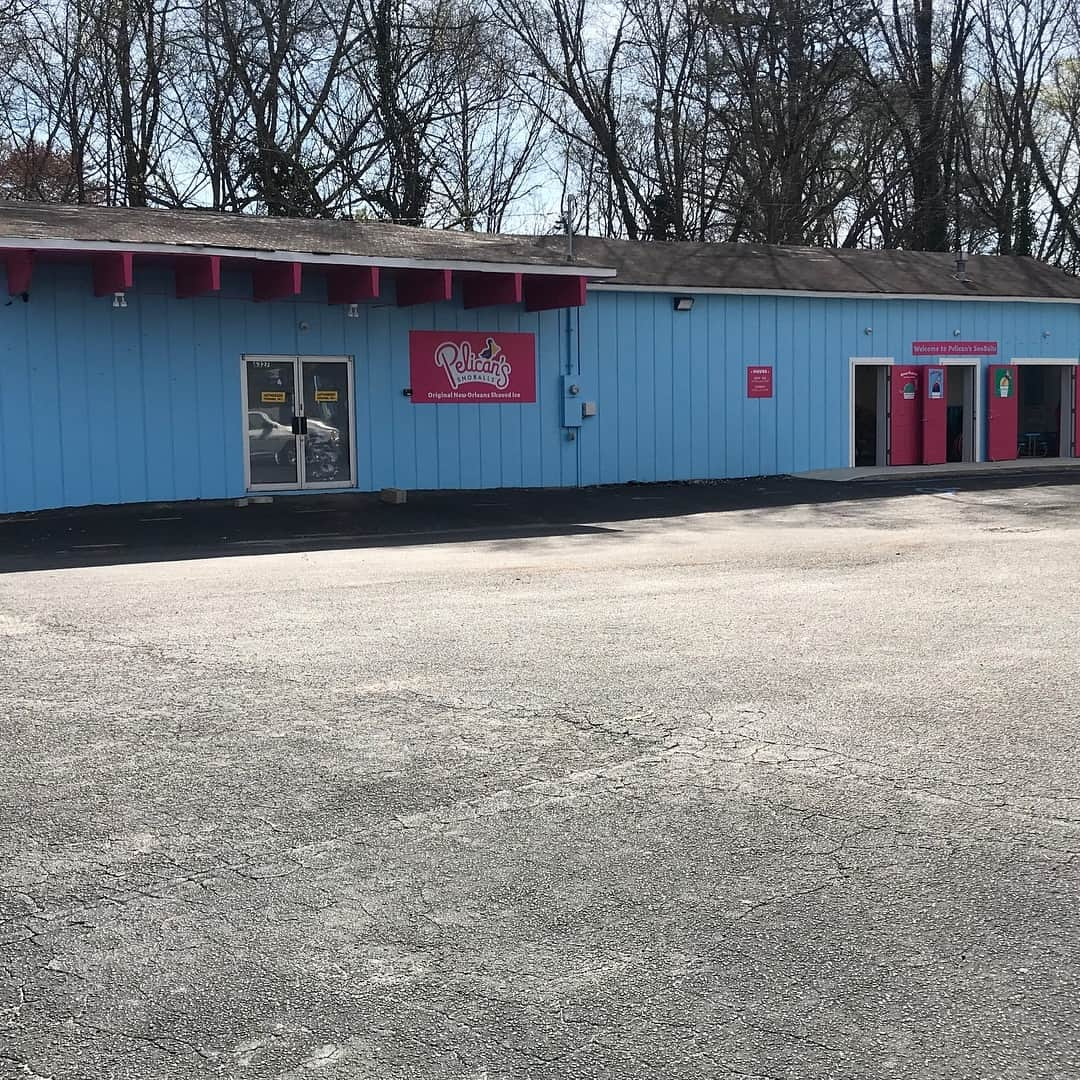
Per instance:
(299,420)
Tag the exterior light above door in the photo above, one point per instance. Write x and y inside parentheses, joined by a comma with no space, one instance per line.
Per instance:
(119,300)
(353,311)
(684,303)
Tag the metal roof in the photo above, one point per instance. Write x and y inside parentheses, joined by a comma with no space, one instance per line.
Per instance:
(641,264)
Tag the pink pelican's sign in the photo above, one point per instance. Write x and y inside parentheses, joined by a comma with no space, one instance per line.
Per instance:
(954,348)
(463,368)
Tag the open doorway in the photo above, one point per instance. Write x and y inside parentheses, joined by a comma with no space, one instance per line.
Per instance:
(869,414)
(961,390)
(1044,428)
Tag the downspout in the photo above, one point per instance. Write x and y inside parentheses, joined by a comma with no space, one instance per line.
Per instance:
(573,367)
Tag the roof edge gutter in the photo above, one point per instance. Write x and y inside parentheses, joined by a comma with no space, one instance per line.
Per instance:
(796,294)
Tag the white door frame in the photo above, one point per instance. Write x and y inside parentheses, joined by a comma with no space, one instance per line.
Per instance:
(867,361)
(974,362)
(348,362)
(296,362)
(1070,371)
(977,369)
(278,358)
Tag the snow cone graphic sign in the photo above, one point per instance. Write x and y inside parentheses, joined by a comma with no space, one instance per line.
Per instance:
(458,367)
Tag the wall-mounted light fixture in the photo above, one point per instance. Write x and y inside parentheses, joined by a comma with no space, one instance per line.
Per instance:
(353,311)
(119,300)
(1046,333)
(868,330)
(956,333)
(684,303)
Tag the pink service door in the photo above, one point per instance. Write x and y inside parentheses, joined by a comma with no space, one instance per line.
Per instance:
(1001,412)
(935,426)
(905,415)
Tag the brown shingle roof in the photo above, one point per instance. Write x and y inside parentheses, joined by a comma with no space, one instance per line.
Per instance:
(804,269)
(675,266)
(243,234)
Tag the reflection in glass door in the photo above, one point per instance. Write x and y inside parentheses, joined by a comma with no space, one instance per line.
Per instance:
(327,441)
(299,413)
(272,432)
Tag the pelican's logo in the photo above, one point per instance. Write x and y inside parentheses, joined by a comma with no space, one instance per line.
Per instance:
(462,365)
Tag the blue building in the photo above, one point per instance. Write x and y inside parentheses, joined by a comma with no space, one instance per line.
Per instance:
(157,355)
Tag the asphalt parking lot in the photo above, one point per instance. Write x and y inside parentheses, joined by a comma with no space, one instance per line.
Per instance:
(715,783)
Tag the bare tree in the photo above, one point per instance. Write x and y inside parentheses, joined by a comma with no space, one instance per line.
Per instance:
(1016,47)
(797,152)
(281,58)
(53,105)
(403,59)
(586,66)
(138,57)
(1058,130)
(912,62)
(487,147)
(923,123)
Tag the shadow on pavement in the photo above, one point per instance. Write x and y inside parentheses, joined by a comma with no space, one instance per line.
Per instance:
(155,532)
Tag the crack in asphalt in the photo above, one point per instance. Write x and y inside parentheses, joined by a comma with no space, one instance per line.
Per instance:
(683,806)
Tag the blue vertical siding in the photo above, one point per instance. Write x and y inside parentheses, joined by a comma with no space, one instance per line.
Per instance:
(683,374)
(39,428)
(100,405)
(105,406)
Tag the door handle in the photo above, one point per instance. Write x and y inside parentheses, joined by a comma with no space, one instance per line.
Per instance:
(296,425)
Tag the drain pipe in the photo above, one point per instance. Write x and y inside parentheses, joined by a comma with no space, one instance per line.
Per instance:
(573,365)
(571,210)
(572,368)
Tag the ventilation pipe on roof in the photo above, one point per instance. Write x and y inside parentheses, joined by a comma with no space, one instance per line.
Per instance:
(571,210)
